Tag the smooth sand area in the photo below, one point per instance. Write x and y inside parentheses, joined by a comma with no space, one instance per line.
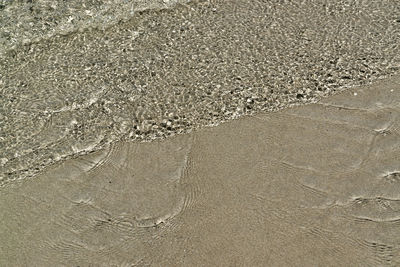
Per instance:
(316,185)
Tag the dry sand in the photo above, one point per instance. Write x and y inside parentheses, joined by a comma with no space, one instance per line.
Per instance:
(317,185)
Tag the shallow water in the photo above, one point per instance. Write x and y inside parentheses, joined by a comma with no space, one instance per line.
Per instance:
(316,185)
(25,22)
(173,67)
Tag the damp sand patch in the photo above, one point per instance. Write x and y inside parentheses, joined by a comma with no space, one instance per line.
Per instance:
(310,185)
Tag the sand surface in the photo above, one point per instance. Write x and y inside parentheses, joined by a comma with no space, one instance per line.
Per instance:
(76,76)
(84,83)
(317,185)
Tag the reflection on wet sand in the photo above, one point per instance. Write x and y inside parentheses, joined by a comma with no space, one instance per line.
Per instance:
(317,185)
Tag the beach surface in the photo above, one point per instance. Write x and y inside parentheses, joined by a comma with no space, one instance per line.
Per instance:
(316,185)
(77,76)
(199,133)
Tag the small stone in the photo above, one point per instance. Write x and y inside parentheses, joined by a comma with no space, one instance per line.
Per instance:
(3,161)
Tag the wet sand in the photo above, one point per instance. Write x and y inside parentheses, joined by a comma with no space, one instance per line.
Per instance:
(76,76)
(84,83)
(316,185)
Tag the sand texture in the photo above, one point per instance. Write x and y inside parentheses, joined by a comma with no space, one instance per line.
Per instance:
(76,76)
(317,185)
